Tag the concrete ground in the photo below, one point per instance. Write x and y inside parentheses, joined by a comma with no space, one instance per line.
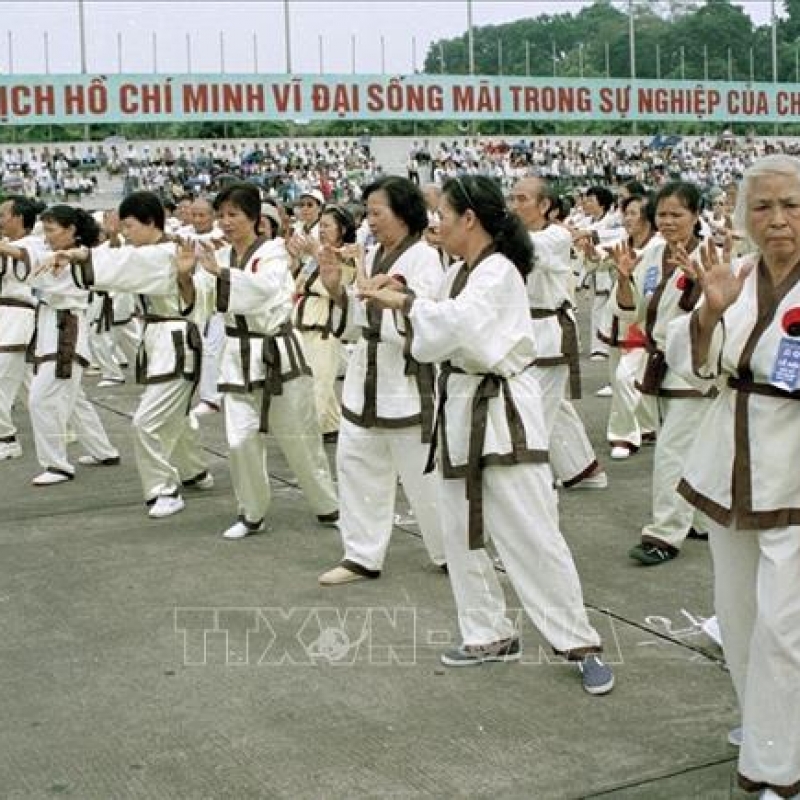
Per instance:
(153,659)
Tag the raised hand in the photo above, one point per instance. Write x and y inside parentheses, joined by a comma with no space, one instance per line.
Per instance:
(713,271)
(624,258)
(206,257)
(385,297)
(330,270)
(186,258)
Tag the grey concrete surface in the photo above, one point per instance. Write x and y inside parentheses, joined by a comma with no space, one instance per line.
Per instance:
(152,659)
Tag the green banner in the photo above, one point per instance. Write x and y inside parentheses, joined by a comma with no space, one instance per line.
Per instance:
(60,99)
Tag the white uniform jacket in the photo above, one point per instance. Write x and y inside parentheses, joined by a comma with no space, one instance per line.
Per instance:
(742,467)
(17,301)
(489,402)
(661,293)
(171,343)
(385,387)
(550,298)
(255,295)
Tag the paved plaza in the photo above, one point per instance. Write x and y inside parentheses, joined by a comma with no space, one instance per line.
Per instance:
(153,659)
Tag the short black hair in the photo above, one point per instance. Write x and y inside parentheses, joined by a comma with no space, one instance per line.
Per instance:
(244,196)
(25,207)
(344,221)
(602,195)
(405,200)
(145,207)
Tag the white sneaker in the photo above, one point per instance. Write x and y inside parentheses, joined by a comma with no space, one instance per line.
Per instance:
(606,391)
(598,481)
(92,370)
(92,461)
(48,478)
(204,481)
(736,736)
(107,382)
(619,451)
(166,506)
(204,408)
(598,357)
(240,529)
(10,450)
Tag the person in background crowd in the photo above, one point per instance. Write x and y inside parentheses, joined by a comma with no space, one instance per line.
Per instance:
(651,292)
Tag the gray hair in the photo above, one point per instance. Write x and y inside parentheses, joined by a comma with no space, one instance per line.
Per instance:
(788,166)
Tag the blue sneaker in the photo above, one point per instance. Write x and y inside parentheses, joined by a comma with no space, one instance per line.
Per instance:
(597,677)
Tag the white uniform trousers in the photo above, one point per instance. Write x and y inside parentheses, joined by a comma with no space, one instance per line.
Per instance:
(571,452)
(293,422)
(166,439)
(111,349)
(519,507)
(213,342)
(56,402)
(369,462)
(12,375)
(672,515)
(597,316)
(756,580)
(324,357)
(631,413)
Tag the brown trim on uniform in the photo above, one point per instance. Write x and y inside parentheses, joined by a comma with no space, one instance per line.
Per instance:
(593,467)
(223,292)
(360,569)
(13,348)
(570,354)
(754,786)
(13,302)
(390,423)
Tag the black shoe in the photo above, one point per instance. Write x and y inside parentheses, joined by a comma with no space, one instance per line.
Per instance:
(329,520)
(330,438)
(701,536)
(651,554)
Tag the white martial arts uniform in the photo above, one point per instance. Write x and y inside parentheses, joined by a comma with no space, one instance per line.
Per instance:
(313,317)
(17,323)
(632,414)
(387,416)
(60,352)
(741,473)
(264,377)
(492,458)
(114,333)
(550,298)
(662,293)
(167,441)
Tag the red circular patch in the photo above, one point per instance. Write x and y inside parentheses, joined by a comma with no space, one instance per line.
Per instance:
(791,322)
(682,281)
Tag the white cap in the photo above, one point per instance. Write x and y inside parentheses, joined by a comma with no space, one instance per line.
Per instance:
(316,194)
(271,213)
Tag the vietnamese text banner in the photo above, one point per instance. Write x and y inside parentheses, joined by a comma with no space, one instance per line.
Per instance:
(60,99)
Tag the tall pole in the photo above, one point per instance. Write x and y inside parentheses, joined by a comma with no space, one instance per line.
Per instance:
(499,56)
(189,53)
(705,63)
(287,35)
(155,52)
(730,64)
(632,38)
(752,66)
(46,53)
(774,42)
(658,61)
(608,60)
(683,63)
(383,55)
(796,64)
(555,59)
(222,52)
(441,57)
(321,56)
(82,36)
(528,59)
(255,52)
(580,58)
(470,40)
(119,51)
(414,54)
(10,37)
(353,52)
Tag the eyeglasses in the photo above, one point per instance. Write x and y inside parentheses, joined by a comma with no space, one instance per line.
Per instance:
(467,195)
